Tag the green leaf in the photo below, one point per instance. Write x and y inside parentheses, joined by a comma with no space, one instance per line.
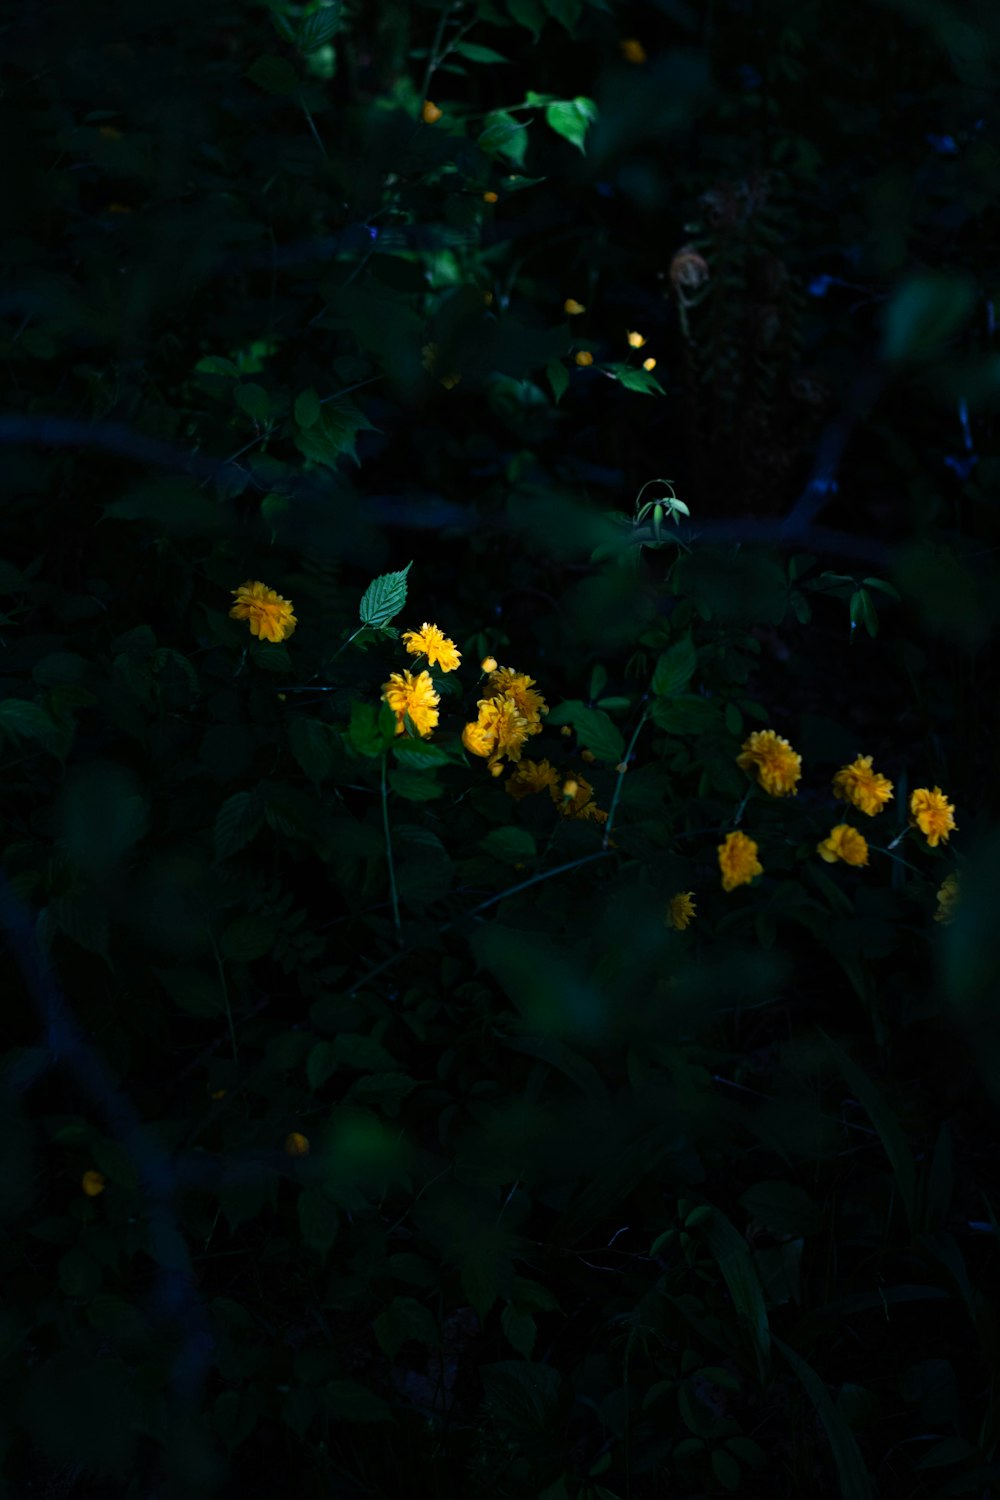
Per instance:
(347,1401)
(384,597)
(307,408)
(510,845)
(238,820)
(520,1328)
(890,1131)
(643,381)
(782,1207)
(726,1470)
(558,376)
(502,135)
(685,714)
(558,1055)
(420,755)
(925,311)
(318,28)
(415,786)
(332,435)
(249,937)
(855,1481)
(733,1256)
(274,75)
(254,400)
(405,1318)
(594,730)
(22,719)
(197,993)
(527,13)
(313,747)
(475,53)
(570,119)
(675,668)
(318,1219)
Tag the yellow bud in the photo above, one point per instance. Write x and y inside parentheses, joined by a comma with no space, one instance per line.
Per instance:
(649,364)
(635,340)
(430,113)
(570,788)
(587,755)
(491,197)
(450,381)
(296,1144)
(567,729)
(488,298)
(585,357)
(218,1094)
(632,50)
(488,664)
(282,697)
(573,308)
(92,1183)
(496,770)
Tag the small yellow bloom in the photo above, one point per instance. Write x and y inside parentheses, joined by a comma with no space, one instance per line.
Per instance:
(649,364)
(406,694)
(496,769)
(738,861)
(588,756)
(573,308)
(450,381)
(531,776)
(488,298)
(431,642)
(570,789)
(947,898)
(776,764)
(297,1144)
(632,50)
(504,682)
(681,910)
(846,843)
(491,197)
(270,616)
(933,814)
(585,358)
(635,340)
(488,664)
(429,113)
(282,697)
(566,730)
(92,1183)
(217,1094)
(863,788)
(479,738)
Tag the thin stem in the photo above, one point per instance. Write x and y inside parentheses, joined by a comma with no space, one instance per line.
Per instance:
(225,994)
(897,857)
(388,854)
(621,777)
(312,125)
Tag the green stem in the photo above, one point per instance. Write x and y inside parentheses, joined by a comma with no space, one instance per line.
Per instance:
(388,854)
(621,777)
(225,994)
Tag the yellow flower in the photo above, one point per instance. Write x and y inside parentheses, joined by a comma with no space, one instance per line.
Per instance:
(649,364)
(531,776)
(863,788)
(479,738)
(635,340)
(933,814)
(776,764)
(504,682)
(846,843)
(575,799)
(429,113)
(570,789)
(92,1183)
(738,861)
(431,642)
(491,197)
(270,616)
(585,357)
(573,308)
(947,898)
(296,1144)
(681,910)
(566,730)
(512,728)
(488,664)
(633,51)
(406,694)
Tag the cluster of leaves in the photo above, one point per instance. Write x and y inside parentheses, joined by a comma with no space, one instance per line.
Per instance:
(364,1123)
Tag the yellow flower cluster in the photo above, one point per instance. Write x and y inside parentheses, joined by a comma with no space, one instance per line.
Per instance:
(270,616)
(772,760)
(529,777)
(510,712)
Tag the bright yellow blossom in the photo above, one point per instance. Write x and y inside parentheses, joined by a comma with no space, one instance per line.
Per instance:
(431,642)
(649,364)
(775,763)
(947,898)
(406,694)
(846,843)
(429,112)
(681,910)
(585,357)
(488,664)
(504,681)
(572,308)
(531,776)
(270,616)
(635,340)
(738,860)
(490,197)
(933,814)
(92,1183)
(297,1144)
(863,788)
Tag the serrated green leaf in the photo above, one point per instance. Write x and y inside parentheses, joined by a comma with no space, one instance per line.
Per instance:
(332,435)
(313,747)
(675,668)
(571,118)
(643,381)
(384,597)
(307,408)
(415,786)
(502,135)
(248,937)
(520,1328)
(510,845)
(595,731)
(318,28)
(475,53)
(254,400)
(238,820)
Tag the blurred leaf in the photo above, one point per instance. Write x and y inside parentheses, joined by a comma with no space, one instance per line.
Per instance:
(890,1131)
(402,1320)
(925,311)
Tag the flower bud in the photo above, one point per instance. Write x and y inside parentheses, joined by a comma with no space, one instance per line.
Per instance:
(297,1144)
(570,789)
(429,113)
(584,358)
(92,1183)
(488,664)
(491,197)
